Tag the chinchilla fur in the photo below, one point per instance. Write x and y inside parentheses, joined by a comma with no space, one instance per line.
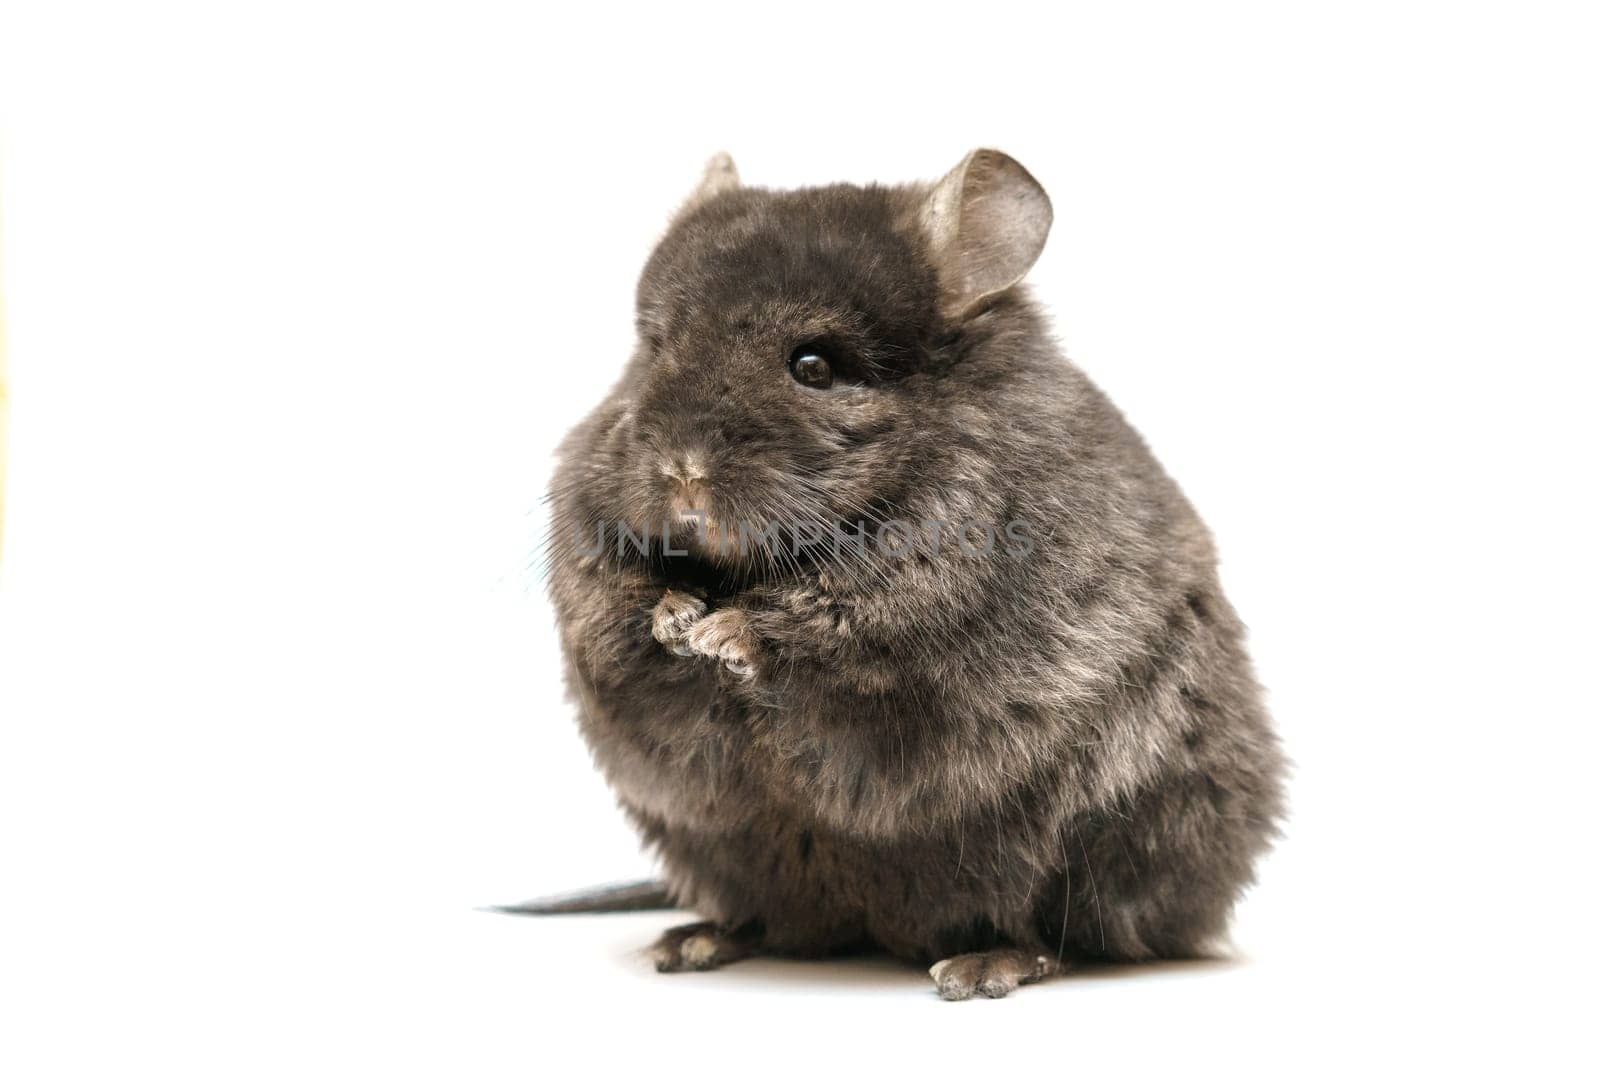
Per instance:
(995,762)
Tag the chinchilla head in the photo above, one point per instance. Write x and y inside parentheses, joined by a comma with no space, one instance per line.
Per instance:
(783,340)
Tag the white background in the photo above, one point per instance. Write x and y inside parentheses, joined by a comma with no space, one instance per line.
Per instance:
(301,297)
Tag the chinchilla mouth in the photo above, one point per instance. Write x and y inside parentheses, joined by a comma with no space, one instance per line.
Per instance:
(698,572)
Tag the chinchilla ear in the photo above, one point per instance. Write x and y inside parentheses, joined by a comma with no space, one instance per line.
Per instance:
(986,221)
(719,177)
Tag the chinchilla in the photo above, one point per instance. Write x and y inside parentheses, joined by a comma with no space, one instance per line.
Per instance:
(885,627)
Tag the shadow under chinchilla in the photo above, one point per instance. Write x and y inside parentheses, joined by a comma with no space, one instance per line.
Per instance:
(855,973)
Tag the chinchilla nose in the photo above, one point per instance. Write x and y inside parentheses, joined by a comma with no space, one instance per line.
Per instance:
(687,474)
(685,467)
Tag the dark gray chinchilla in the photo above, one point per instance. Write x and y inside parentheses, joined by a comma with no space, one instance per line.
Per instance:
(886,628)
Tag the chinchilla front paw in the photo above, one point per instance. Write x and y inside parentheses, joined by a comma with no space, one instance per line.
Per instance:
(726,635)
(992,974)
(674,614)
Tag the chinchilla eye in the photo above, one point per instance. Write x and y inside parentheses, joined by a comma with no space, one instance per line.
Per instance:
(811,368)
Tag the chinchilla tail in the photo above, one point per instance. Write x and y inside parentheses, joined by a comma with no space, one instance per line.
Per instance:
(648,895)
